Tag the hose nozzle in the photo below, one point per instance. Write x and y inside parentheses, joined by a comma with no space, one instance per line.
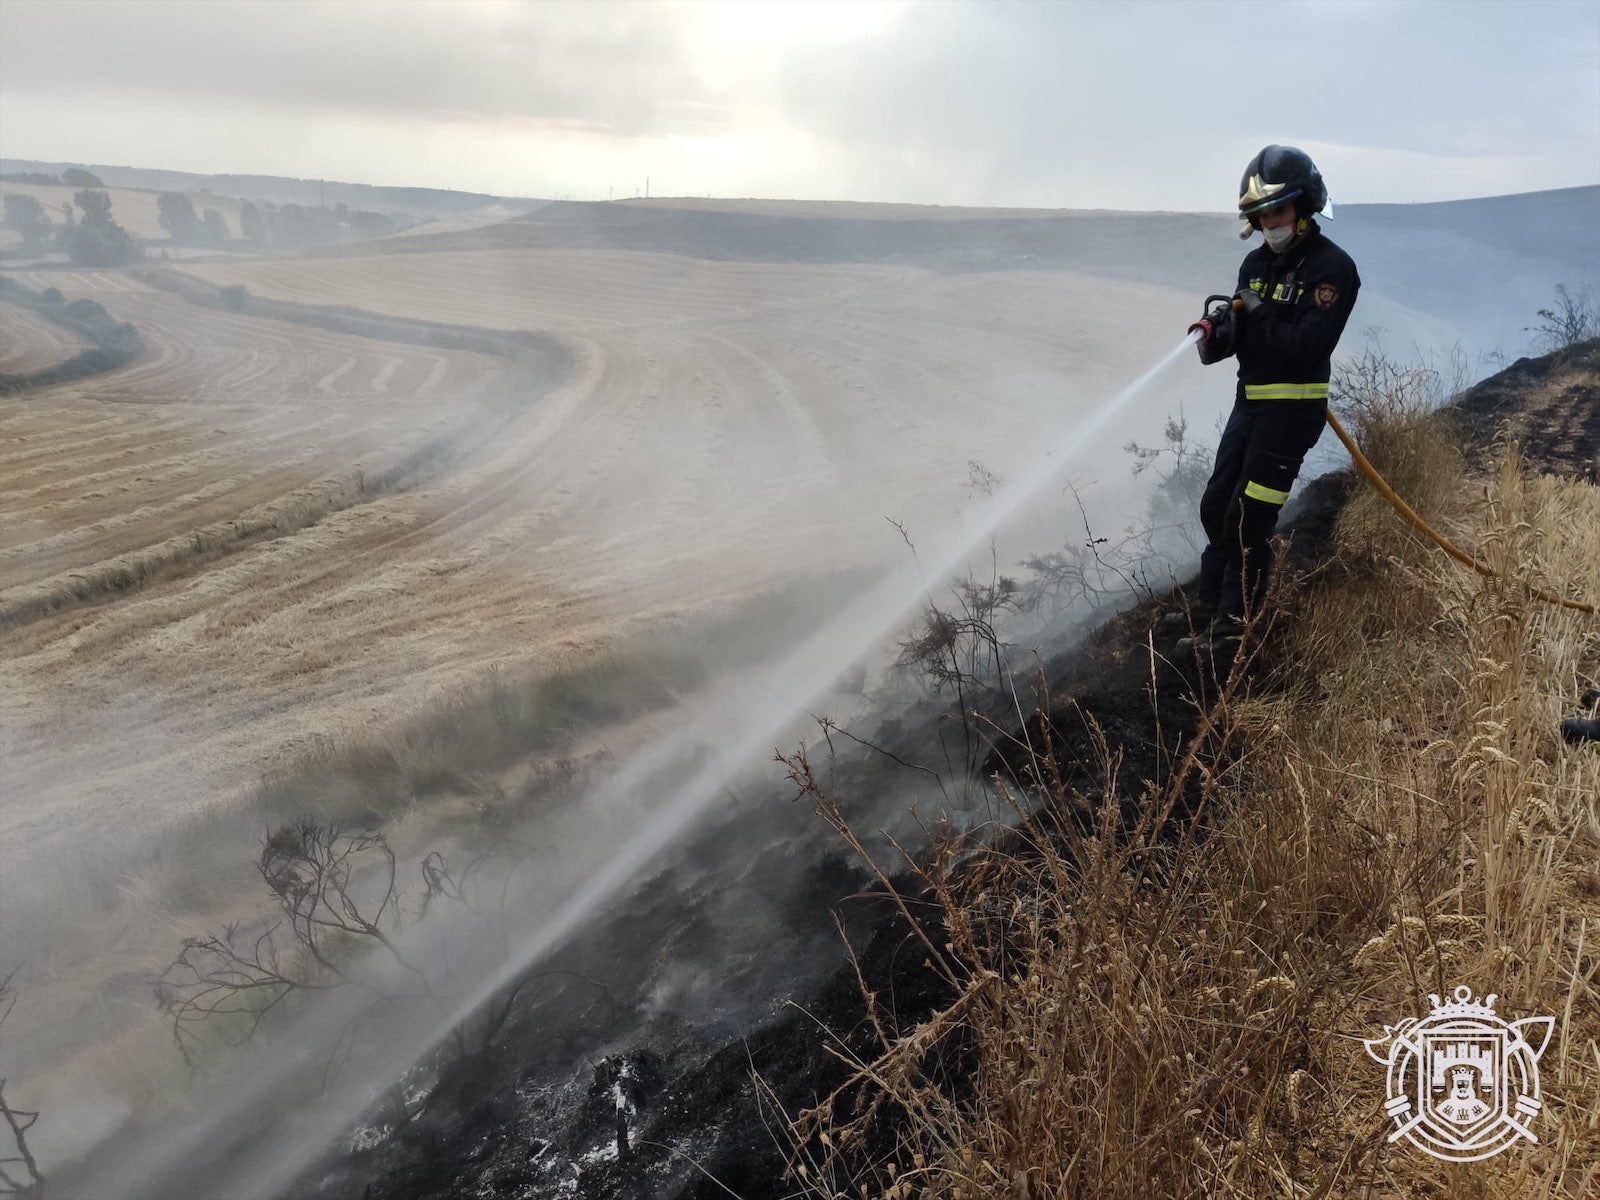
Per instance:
(1216,308)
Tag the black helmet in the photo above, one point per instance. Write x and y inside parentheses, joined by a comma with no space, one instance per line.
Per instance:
(1276,176)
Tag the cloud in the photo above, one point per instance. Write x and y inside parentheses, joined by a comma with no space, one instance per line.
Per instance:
(1082,104)
(624,69)
(1081,101)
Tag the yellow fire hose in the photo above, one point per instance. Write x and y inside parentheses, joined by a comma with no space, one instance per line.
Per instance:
(1422,527)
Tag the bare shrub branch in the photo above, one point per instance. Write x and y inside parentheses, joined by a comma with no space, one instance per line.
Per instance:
(336,894)
(1100,571)
(19,1169)
(1570,319)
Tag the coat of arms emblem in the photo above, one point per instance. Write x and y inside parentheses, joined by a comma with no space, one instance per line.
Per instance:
(1463,1083)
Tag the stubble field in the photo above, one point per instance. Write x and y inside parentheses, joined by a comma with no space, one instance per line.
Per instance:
(30,343)
(724,428)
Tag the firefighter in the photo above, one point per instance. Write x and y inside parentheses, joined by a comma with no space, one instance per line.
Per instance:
(1294,295)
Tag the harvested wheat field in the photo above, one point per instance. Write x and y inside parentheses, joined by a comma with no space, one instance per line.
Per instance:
(200,582)
(30,343)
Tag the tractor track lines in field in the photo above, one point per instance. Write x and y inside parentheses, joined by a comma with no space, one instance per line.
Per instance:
(479,484)
(251,411)
(38,446)
(698,408)
(29,342)
(325,385)
(92,283)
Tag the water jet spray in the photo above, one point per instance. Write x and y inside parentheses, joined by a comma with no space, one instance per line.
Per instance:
(739,725)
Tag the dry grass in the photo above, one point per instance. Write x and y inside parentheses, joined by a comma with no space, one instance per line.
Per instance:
(1392,815)
(1395,411)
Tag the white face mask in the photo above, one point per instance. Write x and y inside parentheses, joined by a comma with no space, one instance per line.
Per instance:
(1280,237)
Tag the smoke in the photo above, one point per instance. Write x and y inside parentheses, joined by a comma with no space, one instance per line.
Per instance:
(650,803)
(764,434)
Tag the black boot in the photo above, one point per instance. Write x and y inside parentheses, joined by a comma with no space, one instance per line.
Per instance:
(1581,729)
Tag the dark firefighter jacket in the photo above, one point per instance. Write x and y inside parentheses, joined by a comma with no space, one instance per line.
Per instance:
(1285,348)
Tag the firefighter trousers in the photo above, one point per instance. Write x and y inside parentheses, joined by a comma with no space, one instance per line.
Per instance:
(1257,461)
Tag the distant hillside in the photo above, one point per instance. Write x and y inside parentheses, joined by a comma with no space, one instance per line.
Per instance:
(283,190)
(1563,223)
(1149,247)
(1477,270)
(1553,229)
(1484,266)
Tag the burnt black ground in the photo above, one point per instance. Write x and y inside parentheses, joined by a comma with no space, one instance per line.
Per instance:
(1549,405)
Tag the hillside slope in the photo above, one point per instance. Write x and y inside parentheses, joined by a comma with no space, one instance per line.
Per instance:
(704,1116)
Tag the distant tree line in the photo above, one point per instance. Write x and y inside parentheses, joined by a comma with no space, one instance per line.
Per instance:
(95,240)
(176,214)
(115,342)
(72,177)
(285,226)
(27,216)
(294,226)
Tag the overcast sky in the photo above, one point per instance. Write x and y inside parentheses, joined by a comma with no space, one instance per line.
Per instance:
(1138,105)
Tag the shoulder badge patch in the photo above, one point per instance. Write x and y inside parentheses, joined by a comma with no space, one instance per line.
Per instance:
(1326,295)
